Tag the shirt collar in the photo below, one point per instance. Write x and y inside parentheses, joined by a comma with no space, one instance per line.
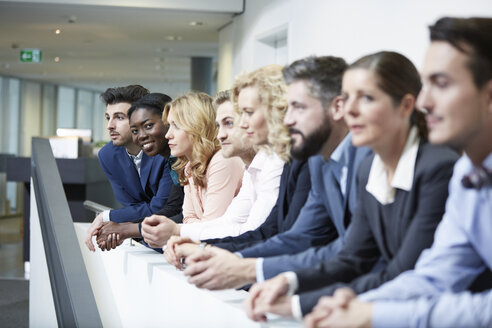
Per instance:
(403,179)
(136,157)
(337,154)
(258,161)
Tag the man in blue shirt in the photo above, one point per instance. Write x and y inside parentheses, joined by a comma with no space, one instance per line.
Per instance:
(457,98)
(315,121)
(140,183)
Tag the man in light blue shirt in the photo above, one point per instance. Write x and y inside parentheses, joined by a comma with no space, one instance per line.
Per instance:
(457,98)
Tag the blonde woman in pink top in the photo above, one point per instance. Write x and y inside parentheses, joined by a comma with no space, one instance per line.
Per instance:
(210,181)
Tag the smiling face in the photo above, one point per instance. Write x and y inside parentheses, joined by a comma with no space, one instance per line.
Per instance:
(457,109)
(307,120)
(231,137)
(253,119)
(148,132)
(179,140)
(370,113)
(118,126)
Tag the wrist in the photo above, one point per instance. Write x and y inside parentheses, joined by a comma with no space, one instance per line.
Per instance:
(248,267)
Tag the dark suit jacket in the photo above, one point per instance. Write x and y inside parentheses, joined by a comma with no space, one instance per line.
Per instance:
(326,214)
(293,191)
(140,196)
(396,232)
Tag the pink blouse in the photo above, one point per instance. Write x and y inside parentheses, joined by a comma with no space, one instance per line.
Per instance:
(223,176)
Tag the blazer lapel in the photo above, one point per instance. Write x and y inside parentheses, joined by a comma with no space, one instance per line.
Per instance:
(145,167)
(334,194)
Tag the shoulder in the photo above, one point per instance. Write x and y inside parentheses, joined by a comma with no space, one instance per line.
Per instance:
(267,162)
(107,151)
(432,157)
(218,163)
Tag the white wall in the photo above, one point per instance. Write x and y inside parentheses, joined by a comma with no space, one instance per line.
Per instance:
(349,28)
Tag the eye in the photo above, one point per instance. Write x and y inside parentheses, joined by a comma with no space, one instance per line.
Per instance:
(441,82)
(229,123)
(149,125)
(367,98)
(120,117)
(134,131)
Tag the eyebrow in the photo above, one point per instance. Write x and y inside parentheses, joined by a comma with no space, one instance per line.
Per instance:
(435,76)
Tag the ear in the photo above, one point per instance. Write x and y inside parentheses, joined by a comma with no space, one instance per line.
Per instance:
(407,105)
(336,108)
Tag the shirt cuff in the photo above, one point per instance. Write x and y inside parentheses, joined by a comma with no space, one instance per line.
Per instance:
(295,304)
(106,216)
(293,282)
(390,315)
(260,277)
(239,254)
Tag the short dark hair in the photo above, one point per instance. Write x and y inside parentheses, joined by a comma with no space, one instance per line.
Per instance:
(396,76)
(154,102)
(323,75)
(465,33)
(128,94)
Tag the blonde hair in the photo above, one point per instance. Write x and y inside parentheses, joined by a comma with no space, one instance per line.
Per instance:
(269,82)
(193,112)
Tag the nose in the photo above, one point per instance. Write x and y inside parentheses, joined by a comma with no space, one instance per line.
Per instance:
(289,118)
(424,100)
(110,126)
(222,134)
(350,108)
(141,135)
(169,134)
(243,121)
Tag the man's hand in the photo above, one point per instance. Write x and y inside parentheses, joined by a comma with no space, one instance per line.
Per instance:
(157,229)
(215,268)
(269,296)
(93,231)
(113,234)
(178,248)
(341,310)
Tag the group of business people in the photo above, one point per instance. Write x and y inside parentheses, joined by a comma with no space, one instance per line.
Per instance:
(348,195)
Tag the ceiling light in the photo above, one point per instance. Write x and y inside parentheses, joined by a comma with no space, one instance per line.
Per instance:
(57,31)
(173,38)
(197,23)
(57,59)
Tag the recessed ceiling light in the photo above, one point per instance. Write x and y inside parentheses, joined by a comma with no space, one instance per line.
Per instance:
(57,59)
(173,38)
(197,23)
(57,31)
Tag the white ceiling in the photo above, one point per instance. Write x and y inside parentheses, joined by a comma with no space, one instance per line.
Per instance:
(112,44)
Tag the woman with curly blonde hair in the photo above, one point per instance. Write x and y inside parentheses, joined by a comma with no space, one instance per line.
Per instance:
(259,97)
(210,181)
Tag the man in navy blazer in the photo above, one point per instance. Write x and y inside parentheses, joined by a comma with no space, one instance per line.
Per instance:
(315,121)
(140,183)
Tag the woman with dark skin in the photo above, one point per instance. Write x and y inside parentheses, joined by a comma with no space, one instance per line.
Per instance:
(148,131)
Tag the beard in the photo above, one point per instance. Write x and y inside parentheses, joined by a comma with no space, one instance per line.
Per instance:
(312,143)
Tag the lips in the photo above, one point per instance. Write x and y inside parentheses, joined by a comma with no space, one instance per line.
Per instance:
(355,128)
(114,135)
(432,120)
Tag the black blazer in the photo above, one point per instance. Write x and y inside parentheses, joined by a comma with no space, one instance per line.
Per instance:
(295,185)
(398,240)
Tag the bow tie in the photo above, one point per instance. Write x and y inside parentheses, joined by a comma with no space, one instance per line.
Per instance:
(480,177)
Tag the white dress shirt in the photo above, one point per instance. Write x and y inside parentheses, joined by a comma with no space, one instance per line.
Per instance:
(249,209)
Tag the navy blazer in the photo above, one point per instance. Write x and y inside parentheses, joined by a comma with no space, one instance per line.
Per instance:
(293,191)
(326,214)
(397,233)
(140,196)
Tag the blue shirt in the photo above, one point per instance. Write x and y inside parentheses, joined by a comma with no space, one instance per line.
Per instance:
(461,251)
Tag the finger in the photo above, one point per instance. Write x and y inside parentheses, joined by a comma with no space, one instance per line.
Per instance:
(88,242)
(200,279)
(260,310)
(195,268)
(249,302)
(199,256)
(343,296)
(113,241)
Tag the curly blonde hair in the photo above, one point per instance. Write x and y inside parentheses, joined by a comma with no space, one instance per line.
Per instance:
(193,112)
(269,82)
